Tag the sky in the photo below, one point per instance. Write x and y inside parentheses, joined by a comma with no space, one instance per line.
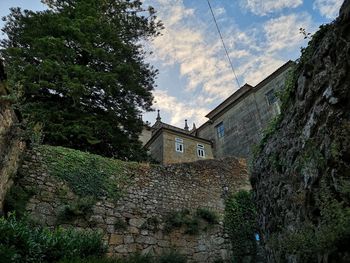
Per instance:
(194,72)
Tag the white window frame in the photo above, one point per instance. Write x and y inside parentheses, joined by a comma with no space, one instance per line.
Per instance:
(179,145)
(200,150)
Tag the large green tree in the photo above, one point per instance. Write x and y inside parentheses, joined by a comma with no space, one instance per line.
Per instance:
(80,69)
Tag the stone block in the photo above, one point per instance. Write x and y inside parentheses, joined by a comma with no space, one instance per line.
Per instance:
(128,239)
(133,230)
(137,222)
(121,249)
(146,240)
(200,257)
(116,239)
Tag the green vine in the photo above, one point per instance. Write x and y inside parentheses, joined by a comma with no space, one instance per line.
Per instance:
(88,174)
(241,225)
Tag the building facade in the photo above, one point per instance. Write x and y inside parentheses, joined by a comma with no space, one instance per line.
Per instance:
(237,124)
(232,129)
(168,144)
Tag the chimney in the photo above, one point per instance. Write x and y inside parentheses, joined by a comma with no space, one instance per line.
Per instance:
(186,126)
(158,117)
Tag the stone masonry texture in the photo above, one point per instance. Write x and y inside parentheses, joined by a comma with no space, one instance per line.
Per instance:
(244,122)
(301,177)
(155,191)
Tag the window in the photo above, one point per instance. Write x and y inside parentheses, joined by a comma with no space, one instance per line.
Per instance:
(271,97)
(220,130)
(200,150)
(179,145)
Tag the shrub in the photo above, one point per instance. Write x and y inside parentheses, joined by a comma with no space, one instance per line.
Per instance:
(17,198)
(22,242)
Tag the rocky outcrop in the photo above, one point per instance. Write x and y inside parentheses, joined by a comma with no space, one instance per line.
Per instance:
(138,220)
(11,147)
(301,177)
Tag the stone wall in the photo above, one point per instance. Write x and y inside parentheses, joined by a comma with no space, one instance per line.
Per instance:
(301,178)
(245,119)
(11,147)
(153,193)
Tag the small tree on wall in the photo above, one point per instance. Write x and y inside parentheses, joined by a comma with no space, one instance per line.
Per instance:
(241,226)
(80,67)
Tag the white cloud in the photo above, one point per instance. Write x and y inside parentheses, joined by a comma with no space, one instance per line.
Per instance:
(191,44)
(283,32)
(328,8)
(264,7)
(178,110)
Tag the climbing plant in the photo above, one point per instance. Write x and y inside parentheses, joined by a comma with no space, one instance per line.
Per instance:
(240,225)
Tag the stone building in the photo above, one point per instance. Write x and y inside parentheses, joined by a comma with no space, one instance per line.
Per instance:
(169,144)
(234,126)
(238,122)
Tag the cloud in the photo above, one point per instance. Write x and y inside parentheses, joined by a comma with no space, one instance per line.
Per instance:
(190,44)
(283,32)
(178,110)
(264,7)
(328,8)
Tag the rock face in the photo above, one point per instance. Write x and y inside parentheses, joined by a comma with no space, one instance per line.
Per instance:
(136,222)
(11,147)
(301,177)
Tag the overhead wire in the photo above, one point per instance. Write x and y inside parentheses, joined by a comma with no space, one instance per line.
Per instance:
(223,43)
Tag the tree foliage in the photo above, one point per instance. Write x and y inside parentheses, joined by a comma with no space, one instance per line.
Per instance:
(80,69)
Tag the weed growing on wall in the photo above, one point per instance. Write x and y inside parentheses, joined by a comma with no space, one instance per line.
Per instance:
(191,223)
(286,94)
(152,223)
(88,174)
(77,208)
(241,225)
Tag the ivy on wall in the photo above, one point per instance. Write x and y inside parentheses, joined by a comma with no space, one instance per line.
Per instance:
(240,224)
(88,174)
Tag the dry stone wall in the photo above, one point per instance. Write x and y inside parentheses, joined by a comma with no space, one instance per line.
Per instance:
(137,221)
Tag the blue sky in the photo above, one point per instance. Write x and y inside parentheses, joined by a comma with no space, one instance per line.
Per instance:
(194,73)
